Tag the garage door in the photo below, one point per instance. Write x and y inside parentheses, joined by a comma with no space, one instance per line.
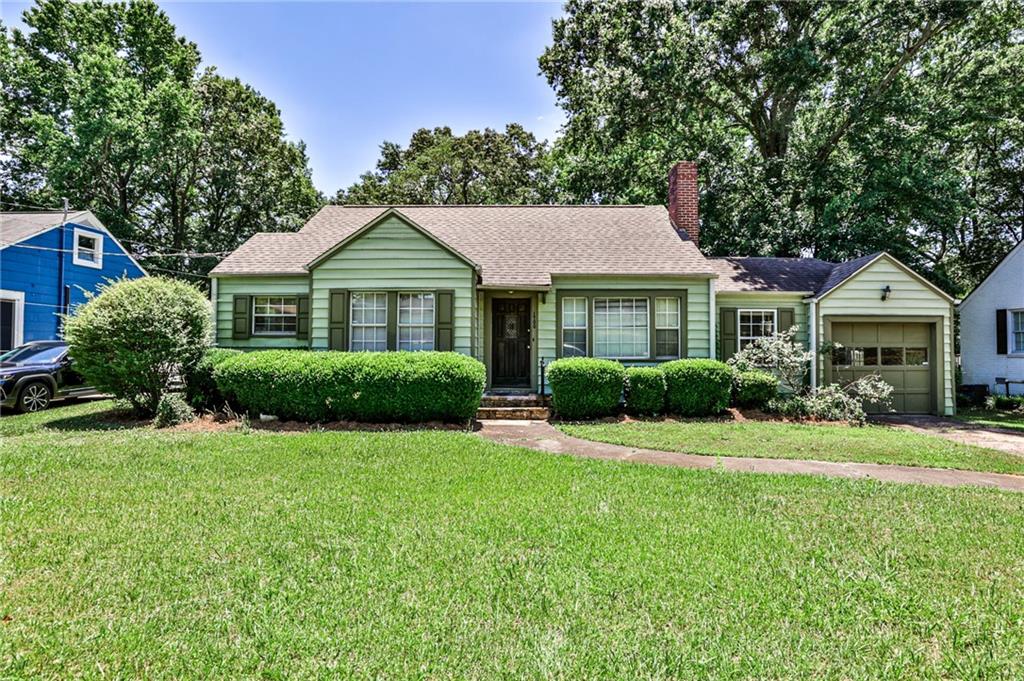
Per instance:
(901,353)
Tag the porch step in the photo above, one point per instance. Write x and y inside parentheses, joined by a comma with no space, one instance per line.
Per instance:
(514,400)
(522,413)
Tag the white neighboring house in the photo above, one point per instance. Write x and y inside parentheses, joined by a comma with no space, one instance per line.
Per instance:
(992,327)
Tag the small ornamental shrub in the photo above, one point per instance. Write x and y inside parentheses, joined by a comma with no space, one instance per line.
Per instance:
(779,354)
(200,389)
(697,387)
(584,387)
(645,391)
(172,410)
(836,402)
(1005,402)
(132,338)
(753,389)
(406,387)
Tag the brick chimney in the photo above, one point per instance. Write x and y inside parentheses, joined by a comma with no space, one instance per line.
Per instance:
(682,200)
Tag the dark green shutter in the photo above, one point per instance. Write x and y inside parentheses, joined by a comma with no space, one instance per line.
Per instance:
(337,325)
(786,319)
(444,323)
(1002,332)
(302,319)
(241,318)
(392,320)
(727,333)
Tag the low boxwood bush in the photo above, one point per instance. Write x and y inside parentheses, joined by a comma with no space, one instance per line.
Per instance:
(200,389)
(645,391)
(697,387)
(405,387)
(172,410)
(584,387)
(753,389)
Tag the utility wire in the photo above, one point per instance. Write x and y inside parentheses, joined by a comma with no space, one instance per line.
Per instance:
(216,254)
(30,205)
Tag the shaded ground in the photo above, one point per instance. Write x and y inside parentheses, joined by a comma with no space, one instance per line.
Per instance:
(979,434)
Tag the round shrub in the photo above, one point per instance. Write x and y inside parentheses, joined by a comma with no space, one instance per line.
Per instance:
(200,389)
(132,338)
(583,387)
(407,387)
(172,410)
(645,391)
(753,389)
(697,387)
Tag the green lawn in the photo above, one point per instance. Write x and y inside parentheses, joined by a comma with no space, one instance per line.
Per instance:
(870,444)
(993,419)
(141,553)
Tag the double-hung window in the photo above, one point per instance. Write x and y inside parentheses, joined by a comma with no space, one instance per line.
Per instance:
(755,324)
(415,321)
(1017,331)
(622,328)
(574,327)
(275,315)
(369,322)
(88,249)
(666,328)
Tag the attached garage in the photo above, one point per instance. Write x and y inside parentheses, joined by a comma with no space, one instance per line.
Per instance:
(879,316)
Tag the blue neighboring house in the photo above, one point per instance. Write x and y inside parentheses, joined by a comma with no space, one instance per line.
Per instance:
(47,266)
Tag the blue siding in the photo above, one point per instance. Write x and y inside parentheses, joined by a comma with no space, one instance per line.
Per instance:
(26,267)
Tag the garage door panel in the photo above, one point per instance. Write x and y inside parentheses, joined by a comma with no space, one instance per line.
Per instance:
(893,377)
(865,334)
(917,403)
(918,381)
(842,333)
(916,334)
(890,334)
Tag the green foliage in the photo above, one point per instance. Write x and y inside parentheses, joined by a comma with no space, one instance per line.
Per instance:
(106,104)
(439,167)
(1005,402)
(200,389)
(753,389)
(172,410)
(407,387)
(834,402)
(645,391)
(585,387)
(697,387)
(135,336)
(836,128)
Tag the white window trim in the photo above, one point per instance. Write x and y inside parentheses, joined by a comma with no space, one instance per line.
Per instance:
(399,325)
(351,318)
(1011,348)
(18,298)
(678,328)
(739,327)
(98,264)
(585,328)
(647,329)
(253,330)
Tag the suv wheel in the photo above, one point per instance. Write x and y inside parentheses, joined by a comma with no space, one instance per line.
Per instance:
(34,397)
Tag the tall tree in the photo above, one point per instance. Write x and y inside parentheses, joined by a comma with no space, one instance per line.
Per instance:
(104,103)
(439,167)
(833,128)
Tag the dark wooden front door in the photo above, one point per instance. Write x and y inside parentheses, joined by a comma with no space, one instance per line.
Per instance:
(510,343)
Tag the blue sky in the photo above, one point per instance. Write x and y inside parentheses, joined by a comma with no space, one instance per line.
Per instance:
(348,76)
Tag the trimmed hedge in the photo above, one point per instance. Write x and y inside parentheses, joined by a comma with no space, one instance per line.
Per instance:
(645,391)
(406,387)
(200,389)
(753,389)
(583,387)
(697,387)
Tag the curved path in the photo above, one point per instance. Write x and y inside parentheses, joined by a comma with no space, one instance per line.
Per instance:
(543,436)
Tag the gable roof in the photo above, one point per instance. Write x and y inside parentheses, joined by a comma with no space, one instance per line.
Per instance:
(792,275)
(1005,259)
(17,226)
(512,245)
(845,271)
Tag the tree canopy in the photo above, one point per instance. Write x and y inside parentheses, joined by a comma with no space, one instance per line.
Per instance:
(107,105)
(832,128)
(440,167)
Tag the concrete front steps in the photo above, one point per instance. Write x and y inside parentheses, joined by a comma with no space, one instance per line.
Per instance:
(513,407)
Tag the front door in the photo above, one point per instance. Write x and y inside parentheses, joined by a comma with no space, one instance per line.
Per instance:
(6,325)
(510,343)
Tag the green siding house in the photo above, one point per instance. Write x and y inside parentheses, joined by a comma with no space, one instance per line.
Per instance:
(520,286)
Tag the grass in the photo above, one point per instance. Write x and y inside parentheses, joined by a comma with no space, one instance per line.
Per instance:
(1008,420)
(144,553)
(868,444)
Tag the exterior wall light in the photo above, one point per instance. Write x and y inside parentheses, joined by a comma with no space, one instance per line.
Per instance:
(886,292)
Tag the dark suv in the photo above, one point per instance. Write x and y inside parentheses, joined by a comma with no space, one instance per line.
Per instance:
(34,374)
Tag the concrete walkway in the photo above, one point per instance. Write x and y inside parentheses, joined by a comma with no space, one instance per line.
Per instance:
(543,436)
(959,431)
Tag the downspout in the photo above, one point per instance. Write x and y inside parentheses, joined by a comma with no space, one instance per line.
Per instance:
(712,317)
(813,342)
(62,298)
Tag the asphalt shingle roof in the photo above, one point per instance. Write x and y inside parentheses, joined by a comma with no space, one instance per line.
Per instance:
(796,275)
(843,271)
(17,226)
(513,245)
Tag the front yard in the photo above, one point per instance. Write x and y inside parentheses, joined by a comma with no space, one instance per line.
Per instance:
(133,552)
(991,418)
(821,442)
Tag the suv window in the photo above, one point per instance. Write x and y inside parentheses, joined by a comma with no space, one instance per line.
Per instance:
(34,354)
